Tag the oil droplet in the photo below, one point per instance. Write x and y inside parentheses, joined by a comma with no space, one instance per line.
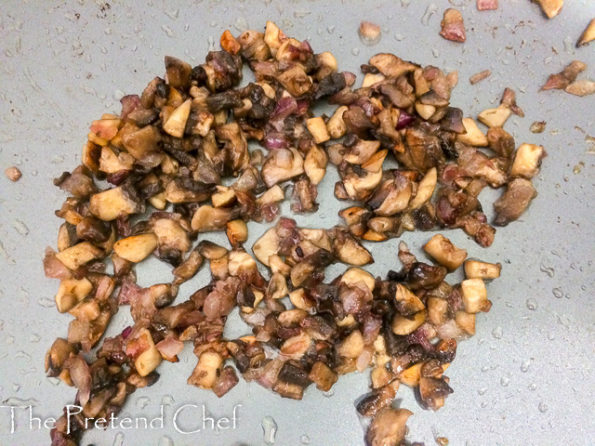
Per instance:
(558,293)
(45,302)
(269,429)
(504,381)
(547,269)
(531,304)
(118,439)
(497,332)
(304,439)
(542,407)
(525,366)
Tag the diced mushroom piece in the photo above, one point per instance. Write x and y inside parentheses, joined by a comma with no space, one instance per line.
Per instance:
(402,325)
(425,189)
(360,187)
(473,135)
(495,117)
(266,246)
(550,8)
(171,236)
(568,75)
(241,264)
(273,37)
(475,295)
(466,321)
(315,164)
(296,346)
(349,251)
(223,196)
(390,65)
(71,292)
(526,161)
(425,110)
(300,300)
(211,251)
(206,371)
(452,25)
(369,33)
(177,72)
(295,80)
(282,165)
(321,375)
(109,162)
(388,427)
(113,203)
(13,174)
(487,5)
(277,287)
(150,358)
(207,218)
(444,252)
(317,128)
(136,248)
(372,79)
(229,43)
(237,232)
(406,301)
(143,143)
(354,276)
(397,198)
(411,375)
(437,310)
(514,201)
(352,346)
(588,34)
(362,152)
(581,87)
(474,269)
(336,126)
(432,392)
(176,122)
(78,255)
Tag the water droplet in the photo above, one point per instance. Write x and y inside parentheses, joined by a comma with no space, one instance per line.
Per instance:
(482,391)
(16,387)
(399,37)
(484,404)
(497,332)
(34,338)
(167,30)
(405,3)
(20,227)
(166,441)
(485,368)
(430,11)
(551,336)
(241,24)
(269,429)
(329,393)
(304,439)
(330,29)
(10,340)
(531,304)
(118,439)
(525,366)
(435,52)
(355,51)
(550,271)
(46,302)
(504,381)
(542,407)
(118,94)
(558,293)
(142,402)
(532,386)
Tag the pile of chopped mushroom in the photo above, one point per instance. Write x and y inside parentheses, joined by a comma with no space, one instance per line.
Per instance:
(165,157)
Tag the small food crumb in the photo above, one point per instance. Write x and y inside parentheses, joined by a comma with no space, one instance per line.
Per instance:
(453,27)
(587,35)
(561,80)
(478,77)
(13,174)
(581,87)
(369,33)
(538,127)
(442,441)
(578,168)
(487,5)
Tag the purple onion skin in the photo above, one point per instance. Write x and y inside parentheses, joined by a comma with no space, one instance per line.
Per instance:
(405,119)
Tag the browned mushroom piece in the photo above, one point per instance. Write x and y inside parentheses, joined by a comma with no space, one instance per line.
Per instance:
(388,427)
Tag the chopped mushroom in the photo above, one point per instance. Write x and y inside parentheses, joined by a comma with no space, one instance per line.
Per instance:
(453,27)
(515,200)
(564,78)
(588,34)
(369,33)
(551,8)
(444,252)
(13,174)
(478,77)
(487,5)
(388,427)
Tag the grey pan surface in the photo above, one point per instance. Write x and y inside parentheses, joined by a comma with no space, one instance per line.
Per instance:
(526,378)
